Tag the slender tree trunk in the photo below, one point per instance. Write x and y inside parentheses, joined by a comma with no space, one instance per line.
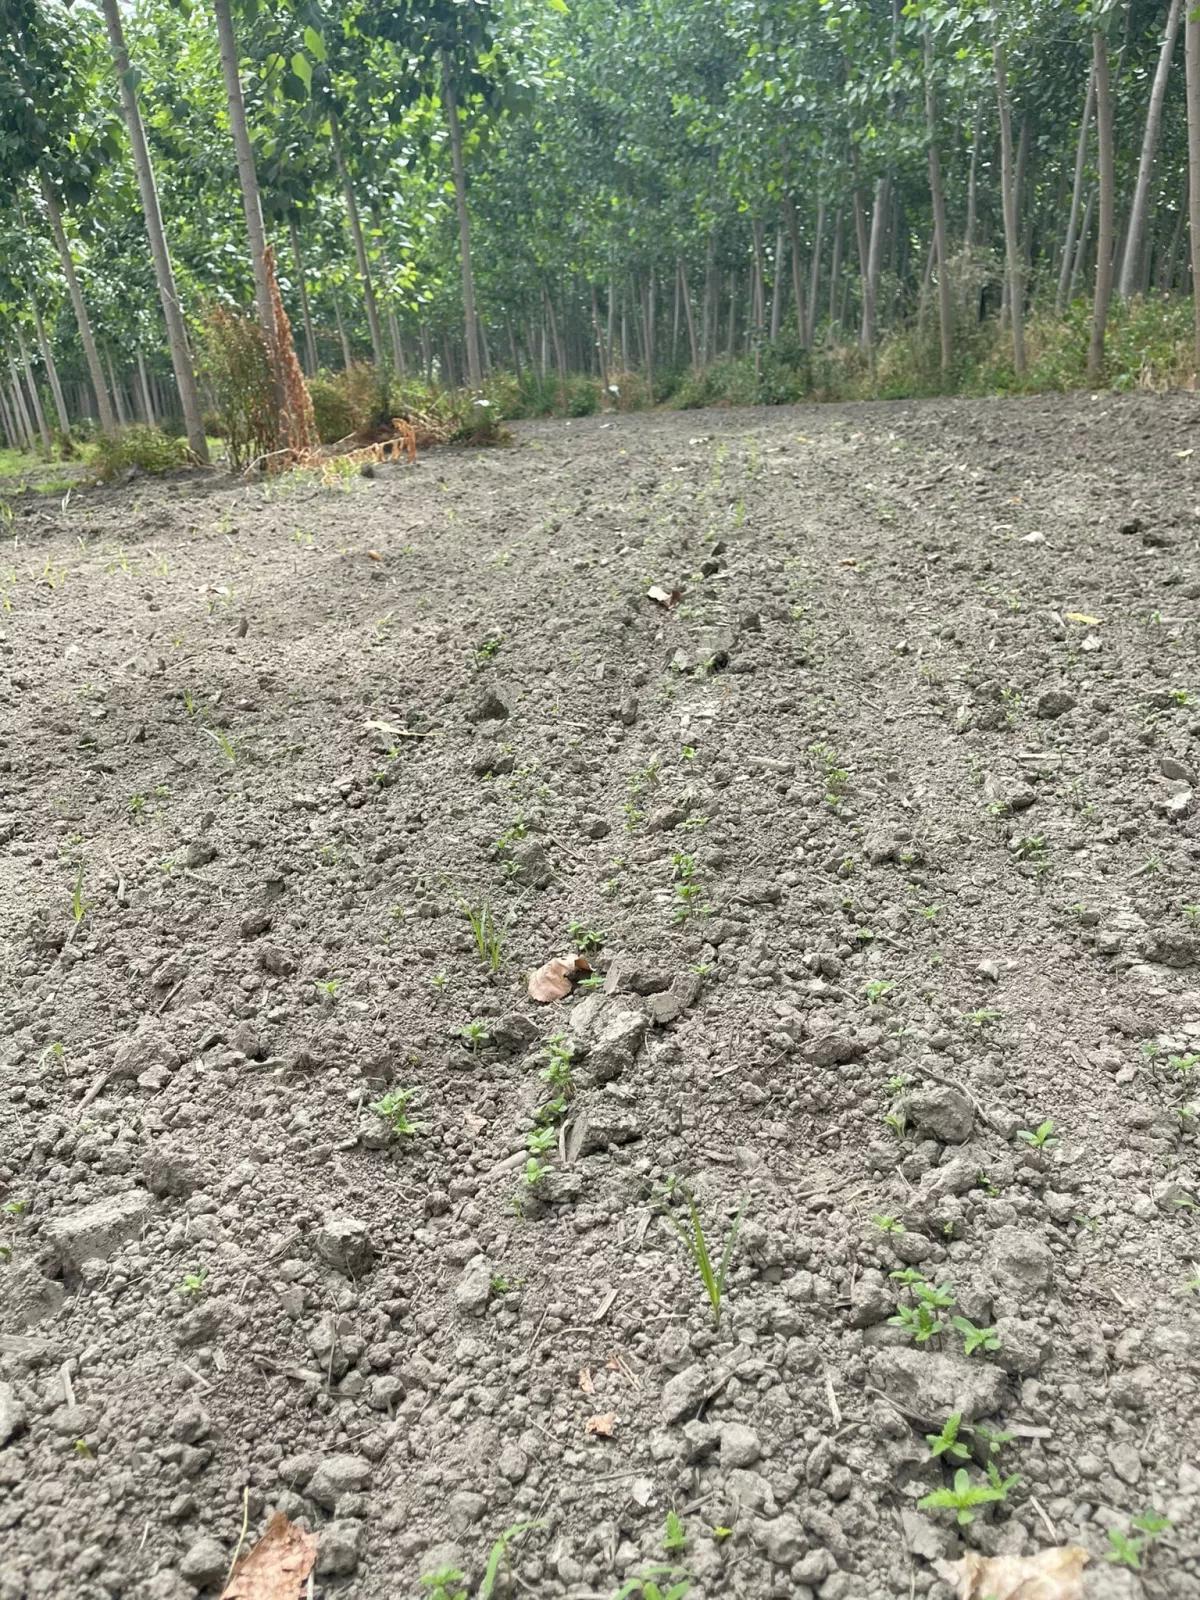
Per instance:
(778,285)
(115,387)
(676,317)
(1170,257)
(1131,264)
(693,344)
(39,415)
(470,317)
(247,176)
(1108,186)
(12,437)
(835,271)
(17,397)
(398,364)
(598,335)
(60,404)
(360,244)
(347,352)
(1012,247)
(709,313)
(1081,247)
(648,315)
(147,402)
(879,213)
(938,199)
(758,287)
(310,338)
(1192,58)
(972,185)
(91,354)
(177,340)
(814,275)
(729,346)
(1068,255)
(866,326)
(793,227)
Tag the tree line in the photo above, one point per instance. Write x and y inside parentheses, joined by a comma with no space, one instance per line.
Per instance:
(450,187)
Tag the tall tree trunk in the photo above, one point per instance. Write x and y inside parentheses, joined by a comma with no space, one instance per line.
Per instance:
(360,245)
(778,285)
(835,271)
(310,338)
(1108,197)
(972,185)
(1081,246)
(597,335)
(398,364)
(648,314)
(147,402)
(164,276)
(470,317)
(814,275)
(729,345)
(12,434)
(758,287)
(693,344)
(1169,258)
(20,408)
(39,414)
(866,326)
(1068,255)
(938,199)
(60,404)
(710,311)
(347,352)
(1192,59)
(793,227)
(91,355)
(879,211)
(1131,265)
(1012,246)
(117,394)
(247,176)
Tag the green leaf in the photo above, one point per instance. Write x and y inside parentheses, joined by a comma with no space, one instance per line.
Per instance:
(314,44)
(302,67)
(560,6)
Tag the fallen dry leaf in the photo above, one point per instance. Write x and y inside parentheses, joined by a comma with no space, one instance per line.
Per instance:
(664,597)
(556,978)
(585,1381)
(1082,617)
(374,555)
(602,1425)
(278,1566)
(1055,1574)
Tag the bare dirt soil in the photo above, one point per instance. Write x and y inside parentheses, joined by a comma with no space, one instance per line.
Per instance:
(883,843)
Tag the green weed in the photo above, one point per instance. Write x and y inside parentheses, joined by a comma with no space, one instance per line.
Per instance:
(713,1277)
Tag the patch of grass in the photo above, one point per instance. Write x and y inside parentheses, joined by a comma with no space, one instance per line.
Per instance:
(713,1276)
(192,1284)
(489,940)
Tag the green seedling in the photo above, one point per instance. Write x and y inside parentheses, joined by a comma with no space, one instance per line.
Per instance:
(897,1122)
(79,906)
(224,744)
(585,939)
(876,989)
(82,1448)
(15,1207)
(1042,1138)
(947,1443)
(392,1108)
(920,1323)
(328,987)
(648,1587)
(193,1283)
(489,941)
(674,1534)
(498,1557)
(488,650)
(6,1251)
(474,1034)
(965,1498)
(439,982)
(447,1583)
(534,1172)
(713,1278)
(1191,914)
(995,1440)
(887,1224)
(1183,1064)
(983,1018)
(930,913)
(973,1338)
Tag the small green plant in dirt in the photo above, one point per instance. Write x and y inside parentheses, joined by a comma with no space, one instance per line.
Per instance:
(687,890)
(973,1338)
(327,988)
(15,1207)
(392,1108)
(192,1284)
(923,1320)
(897,1122)
(983,1018)
(474,1034)
(1183,1064)
(79,906)
(674,1534)
(489,941)
(146,449)
(993,1439)
(836,777)
(1128,1550)
(648,1587)
(488,650)
(585,939)
(1032,848)
(1043,1136)
(947,1443)
(876,989)
(224,744)
(966,1497)
(887,1224)
(447,1583)
(713,1276)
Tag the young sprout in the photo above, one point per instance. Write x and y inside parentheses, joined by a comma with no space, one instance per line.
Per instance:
(674,1534)
(1042,1138)
(947,1443)
(392,1108)
(973,1338)
(886,1224)
(712,1276)
(474,1034)
(193,1283)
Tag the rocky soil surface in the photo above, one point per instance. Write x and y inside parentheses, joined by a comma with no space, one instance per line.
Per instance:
(879,830)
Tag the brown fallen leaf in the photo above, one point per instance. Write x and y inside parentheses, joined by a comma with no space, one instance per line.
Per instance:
(602,1425)
(1054,1574)
(664,597)
(278,1566)
(373,555)
(585,1381)
(556,978)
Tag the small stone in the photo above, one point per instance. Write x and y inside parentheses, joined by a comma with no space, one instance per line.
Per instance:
(783,1540)
(1055,703)
(170,1171)
(740,1445)
(12,1414)
(684,1393)
(344,1243)
(512,1463)
(1176,807)
(931,1385)
(473,1290)
(204,1563)
(1024,1346)
(199,853)
(871,1301)
(531,865)
(94,1232)
(925,1538)
(464,1509)
(1020,1260)
(493,705)
(1179,771)
(254,923)
(989,970)
(944,1112)
(911,1247)
(148,1047)
(833,1050)
(1125,1461)
(337,1476)
(338,1548)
